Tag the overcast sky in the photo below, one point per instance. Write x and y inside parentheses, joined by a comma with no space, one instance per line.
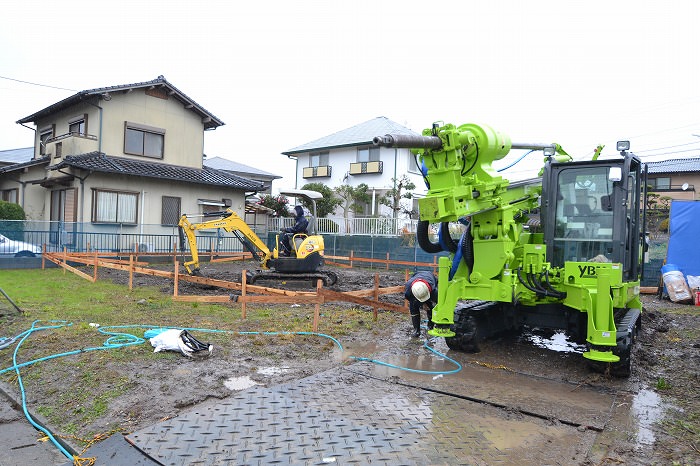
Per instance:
(283,73)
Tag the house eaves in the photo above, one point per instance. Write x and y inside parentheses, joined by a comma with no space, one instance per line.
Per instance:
(21,166)
(358,135)
(210,121)
(674,166)
(98,162)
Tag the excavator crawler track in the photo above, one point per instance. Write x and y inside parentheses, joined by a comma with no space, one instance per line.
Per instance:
(466,325)
(329,278)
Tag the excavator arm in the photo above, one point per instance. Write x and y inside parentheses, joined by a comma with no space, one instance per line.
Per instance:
(228,221)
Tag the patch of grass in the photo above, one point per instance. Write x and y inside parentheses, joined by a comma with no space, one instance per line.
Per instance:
(87,385)
(662,384)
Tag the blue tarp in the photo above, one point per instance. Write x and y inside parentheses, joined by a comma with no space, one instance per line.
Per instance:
(684,238)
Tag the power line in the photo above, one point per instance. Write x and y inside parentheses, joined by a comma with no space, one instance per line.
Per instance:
(667,147)
(37,84)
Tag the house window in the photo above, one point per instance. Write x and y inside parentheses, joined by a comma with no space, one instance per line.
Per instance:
(660,183)
(114,206)
(210,206)
(412,164)
(143,140)
(170,214)
(44,135)
(368,154)
(77,126)
(9,195)
(318,159)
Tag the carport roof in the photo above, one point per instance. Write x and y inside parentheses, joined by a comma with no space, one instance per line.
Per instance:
(99,162)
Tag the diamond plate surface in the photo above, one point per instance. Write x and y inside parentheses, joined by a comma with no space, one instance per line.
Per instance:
(345,417)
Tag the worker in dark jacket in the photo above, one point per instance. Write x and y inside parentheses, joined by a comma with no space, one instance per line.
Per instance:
(421,289)
(299,227)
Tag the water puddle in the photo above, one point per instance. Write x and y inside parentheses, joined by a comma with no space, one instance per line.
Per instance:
(559,341)
(239,383)
(647,409)
(362,350)
(272,370)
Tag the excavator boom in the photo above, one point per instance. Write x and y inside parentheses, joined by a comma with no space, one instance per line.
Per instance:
(227,220)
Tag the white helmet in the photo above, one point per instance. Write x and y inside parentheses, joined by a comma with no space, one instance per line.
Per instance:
(420,290)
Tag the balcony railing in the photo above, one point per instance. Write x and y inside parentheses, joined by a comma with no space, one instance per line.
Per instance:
(361,168)
(362,226)
(323,171)
(71,144)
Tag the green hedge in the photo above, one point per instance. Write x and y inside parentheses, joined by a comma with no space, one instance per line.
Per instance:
(12,211)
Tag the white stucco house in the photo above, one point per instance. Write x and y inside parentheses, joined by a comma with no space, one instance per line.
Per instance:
(349,157)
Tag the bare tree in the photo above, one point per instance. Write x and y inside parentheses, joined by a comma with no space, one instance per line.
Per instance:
(402,189)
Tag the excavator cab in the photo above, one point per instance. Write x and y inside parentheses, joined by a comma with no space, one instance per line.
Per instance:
(590,212)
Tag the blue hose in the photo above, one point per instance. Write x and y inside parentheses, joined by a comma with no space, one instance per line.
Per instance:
(31,420)
(118,339)
(418,371)
(519,159)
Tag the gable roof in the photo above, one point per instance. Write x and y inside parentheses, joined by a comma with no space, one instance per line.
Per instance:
(674,166)
(210,121)
(358,135)
(219,163)
(22,155)
(99,162)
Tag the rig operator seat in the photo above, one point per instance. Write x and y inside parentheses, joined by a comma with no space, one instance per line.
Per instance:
(298,239)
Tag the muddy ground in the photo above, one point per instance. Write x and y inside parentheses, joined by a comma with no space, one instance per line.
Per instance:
(666,361)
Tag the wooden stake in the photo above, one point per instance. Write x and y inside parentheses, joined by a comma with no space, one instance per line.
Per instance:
(351,254)
(405,301)
(94,266)
(317,307)
(244,282)
(376,295)
(65,258)
(175,278)
(43,256)
(131,272)
(387,261)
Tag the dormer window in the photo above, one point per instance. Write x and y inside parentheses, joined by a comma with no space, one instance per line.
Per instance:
(144,140)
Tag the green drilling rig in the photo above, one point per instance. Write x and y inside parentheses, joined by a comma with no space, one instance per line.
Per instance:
(577,268)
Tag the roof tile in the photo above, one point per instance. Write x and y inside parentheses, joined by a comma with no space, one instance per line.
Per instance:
(99,162)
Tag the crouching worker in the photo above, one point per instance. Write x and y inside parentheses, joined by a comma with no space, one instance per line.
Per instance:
(299,227)
(421,290)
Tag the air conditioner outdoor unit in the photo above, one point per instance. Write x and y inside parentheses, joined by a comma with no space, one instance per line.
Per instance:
(143,247)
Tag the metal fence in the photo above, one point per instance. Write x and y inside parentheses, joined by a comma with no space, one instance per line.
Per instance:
(80,237)
(364,237)
(363,226)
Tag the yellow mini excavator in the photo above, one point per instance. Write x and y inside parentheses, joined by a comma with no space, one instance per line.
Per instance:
(304,263)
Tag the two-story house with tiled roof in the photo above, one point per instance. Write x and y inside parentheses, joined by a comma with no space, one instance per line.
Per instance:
(349,157)
(677,178)
(128,155)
